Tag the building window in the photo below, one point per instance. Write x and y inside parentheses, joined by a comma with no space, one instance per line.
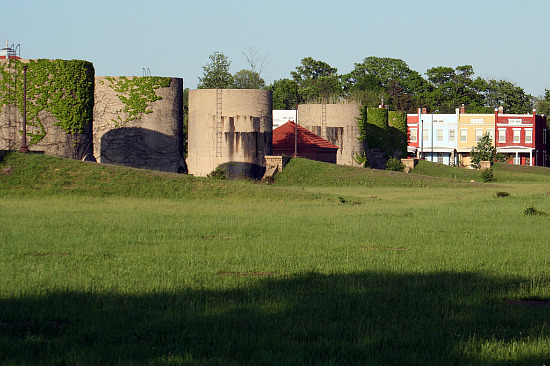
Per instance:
(529,136)
(425,134)
(476,120)
(514,121)
(517,136)
(414,135)
(452,135)
(479,134)
(502,136)
(463,135)
(439,135)
(440,120)
(440,158)
(491,133)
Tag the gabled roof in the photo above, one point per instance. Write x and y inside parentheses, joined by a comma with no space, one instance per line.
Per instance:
(283,137)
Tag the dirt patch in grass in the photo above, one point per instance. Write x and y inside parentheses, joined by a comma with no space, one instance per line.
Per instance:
(6,170)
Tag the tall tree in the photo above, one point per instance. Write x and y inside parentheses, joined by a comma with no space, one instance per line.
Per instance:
(404,87)
(454,87)
(285,94)
(542,103)
(216,73)
(248,79)
(511,97)
(317,81)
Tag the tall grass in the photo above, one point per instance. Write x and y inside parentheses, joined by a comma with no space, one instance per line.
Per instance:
(328,275)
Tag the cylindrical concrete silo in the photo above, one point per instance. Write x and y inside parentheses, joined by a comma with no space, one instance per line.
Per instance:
(231,127)
(152,141)
(336,123)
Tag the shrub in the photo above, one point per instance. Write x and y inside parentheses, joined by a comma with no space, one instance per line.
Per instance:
(531,211)
(219,173)
(502,194)
(395,164)
(488,175)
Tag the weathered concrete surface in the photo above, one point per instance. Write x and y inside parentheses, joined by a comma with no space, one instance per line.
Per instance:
(153,141)
(336,123)
(231,127)
(56,141)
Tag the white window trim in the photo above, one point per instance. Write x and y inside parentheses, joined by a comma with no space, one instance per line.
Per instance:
(503,135)
(518,130)
(465,135)
(530,130)
(453,137)
(414,135)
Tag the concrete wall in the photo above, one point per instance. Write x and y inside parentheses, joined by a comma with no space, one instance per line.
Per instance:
(153,141)
(56,141)
(229,126)
(336,123)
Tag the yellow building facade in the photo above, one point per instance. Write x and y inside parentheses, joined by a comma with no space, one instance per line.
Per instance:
(470,129)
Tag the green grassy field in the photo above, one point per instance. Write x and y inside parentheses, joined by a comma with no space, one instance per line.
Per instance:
(330,265)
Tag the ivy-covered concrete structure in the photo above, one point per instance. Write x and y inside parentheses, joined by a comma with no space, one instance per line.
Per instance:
(138,122)
(131,121)
(59,105)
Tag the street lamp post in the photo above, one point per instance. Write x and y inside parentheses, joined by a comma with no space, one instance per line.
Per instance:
(24,147)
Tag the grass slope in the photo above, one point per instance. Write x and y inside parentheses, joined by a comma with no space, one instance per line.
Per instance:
(304,172)
(116,266)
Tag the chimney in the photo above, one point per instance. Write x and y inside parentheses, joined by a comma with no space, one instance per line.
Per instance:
(462,109)
(501,110)
(424,110)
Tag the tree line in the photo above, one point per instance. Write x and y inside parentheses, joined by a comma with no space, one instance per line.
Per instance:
(374,80)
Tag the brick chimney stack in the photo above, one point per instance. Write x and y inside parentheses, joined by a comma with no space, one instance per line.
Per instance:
(462,109)
(424,110)
(501,110)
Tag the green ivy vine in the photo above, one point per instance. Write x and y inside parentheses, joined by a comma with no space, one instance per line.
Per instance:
(136,93)
(65,88)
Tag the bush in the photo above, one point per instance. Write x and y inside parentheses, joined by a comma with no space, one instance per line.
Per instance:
(488,175)
(219,173)
(395,165)
(531,211)
(502,194)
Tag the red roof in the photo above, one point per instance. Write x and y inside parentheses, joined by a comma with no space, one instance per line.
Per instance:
(283,137)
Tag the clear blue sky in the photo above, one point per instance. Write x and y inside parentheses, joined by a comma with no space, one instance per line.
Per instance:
(506,39)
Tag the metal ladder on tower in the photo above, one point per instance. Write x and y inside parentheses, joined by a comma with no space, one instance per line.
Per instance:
(219,123)
(324,121)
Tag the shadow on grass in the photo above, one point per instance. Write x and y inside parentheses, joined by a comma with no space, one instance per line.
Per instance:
(341,319)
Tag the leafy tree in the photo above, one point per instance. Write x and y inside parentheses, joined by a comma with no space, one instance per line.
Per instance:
(363,88)
(216,73)
(504,93)
(317,81)
(404,88)
(542,103)
(454,87)
(311,69)
(248,79)
(285,94)
(485,151)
